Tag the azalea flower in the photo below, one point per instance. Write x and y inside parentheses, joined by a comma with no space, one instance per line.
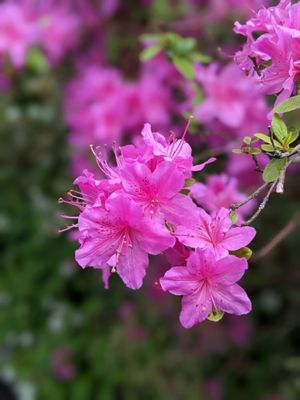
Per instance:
(220,191)
(215,233)
(158,192)
(207,285)
(230,98)
(17,33)
(275,53)
(120,236)
(173,149)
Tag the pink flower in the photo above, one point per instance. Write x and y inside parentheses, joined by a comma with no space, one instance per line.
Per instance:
(230,98)
(176,150)
(17,33)
(158,192)
(121,237)
(207,285)
(219,191)
(59,30)
(63,365)
(215,233)
(276,52)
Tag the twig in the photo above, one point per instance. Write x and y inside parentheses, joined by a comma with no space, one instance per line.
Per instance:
(257,166)
(250,197)
(281,235)
(262,205)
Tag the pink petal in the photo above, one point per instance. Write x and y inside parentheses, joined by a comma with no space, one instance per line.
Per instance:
(132,267)
(232,299)
(195,309)
(179,281)
(200,167)
(229,270)
(236,238)
(180,210)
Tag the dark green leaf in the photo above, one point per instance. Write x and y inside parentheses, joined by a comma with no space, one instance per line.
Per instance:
(150,52)
(244,252)
(279,128)
(291,104)
(273,169)
(184,66)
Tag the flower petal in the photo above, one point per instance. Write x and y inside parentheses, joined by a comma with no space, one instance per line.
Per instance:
(232,299)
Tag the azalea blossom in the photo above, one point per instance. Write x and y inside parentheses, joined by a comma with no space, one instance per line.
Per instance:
(232,99)
(17,33)
(120,236)
(158,192)
(215,233)
(220,191)
(272,52)
(207,285)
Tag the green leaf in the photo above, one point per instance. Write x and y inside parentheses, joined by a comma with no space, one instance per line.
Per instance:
(184,66)
(150,52)
(291,137)
(273,169)
(36,61)
(244,252)
(247,140)
(254,151)
(233,216)
(263,137)
(267,147)
(279,128)
(291,104)
(184,46)
(189,182)
(237,151)
(215,316)
(200,57)
(185,191)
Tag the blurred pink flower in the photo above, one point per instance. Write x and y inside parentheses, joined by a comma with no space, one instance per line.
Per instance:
(17,33)
(220,191)
(62,364)
(232,99)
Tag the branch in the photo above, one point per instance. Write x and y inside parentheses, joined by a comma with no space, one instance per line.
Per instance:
(281,235)
(262,205)
(250,197)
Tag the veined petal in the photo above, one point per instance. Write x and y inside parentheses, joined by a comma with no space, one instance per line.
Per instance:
(237,238)
(232,299)
(132,266)
(179,281)
(229,270)
(195,308)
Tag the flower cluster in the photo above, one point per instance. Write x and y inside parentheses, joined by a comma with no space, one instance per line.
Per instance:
(271,52)
(94,95)
(53,27)
(142,207)
(232,105)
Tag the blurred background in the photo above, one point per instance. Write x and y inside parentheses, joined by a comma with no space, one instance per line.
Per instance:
(71,75)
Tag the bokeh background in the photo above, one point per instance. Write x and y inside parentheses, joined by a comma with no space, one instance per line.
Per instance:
(70,75)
